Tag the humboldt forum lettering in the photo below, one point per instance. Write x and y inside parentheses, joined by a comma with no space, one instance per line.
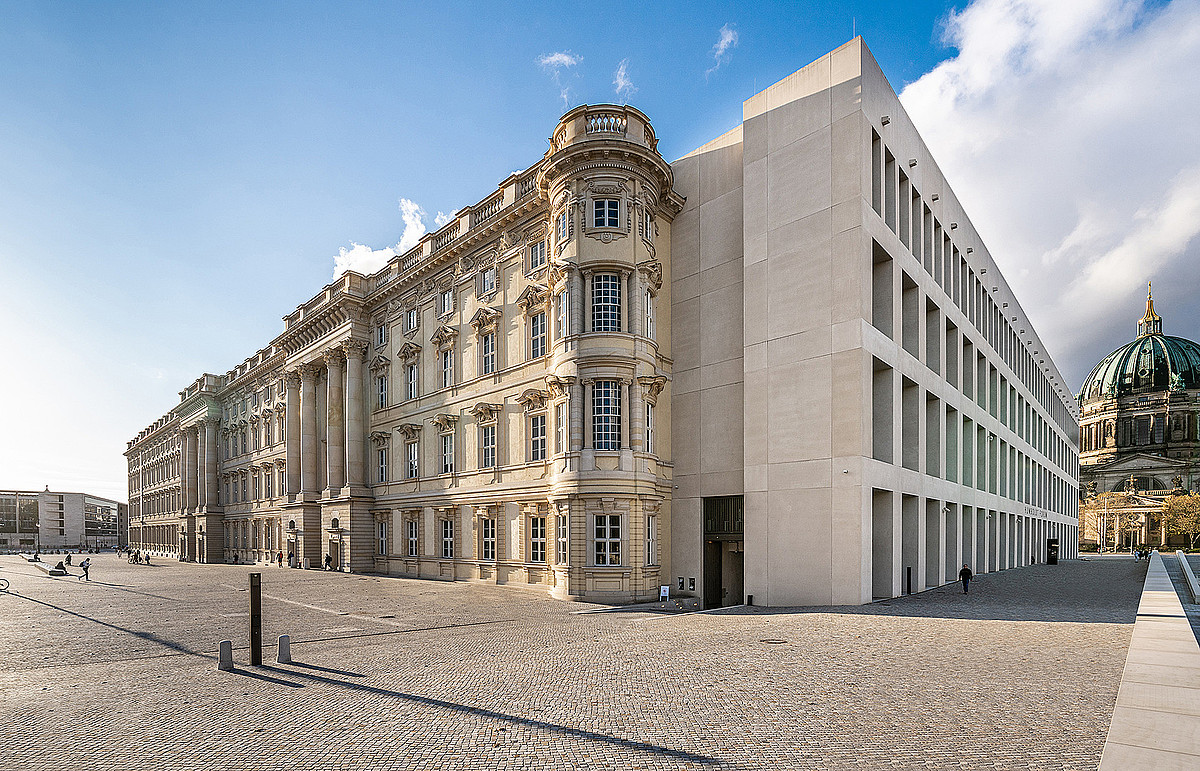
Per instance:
(783,369)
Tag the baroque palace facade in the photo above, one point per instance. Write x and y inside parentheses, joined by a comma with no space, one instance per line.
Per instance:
(782,369)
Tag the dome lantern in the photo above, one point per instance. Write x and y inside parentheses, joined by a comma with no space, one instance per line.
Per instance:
(1150,323)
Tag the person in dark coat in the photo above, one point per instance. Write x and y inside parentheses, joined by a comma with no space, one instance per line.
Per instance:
(965,576)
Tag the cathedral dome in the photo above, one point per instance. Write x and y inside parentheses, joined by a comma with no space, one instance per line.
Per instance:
(1152,362)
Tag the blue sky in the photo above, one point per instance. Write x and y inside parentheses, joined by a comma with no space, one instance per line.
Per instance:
(176,177)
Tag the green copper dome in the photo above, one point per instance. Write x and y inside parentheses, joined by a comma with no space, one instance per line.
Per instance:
(1152,362)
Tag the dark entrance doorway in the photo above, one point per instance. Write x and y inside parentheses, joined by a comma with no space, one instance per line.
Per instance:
(724,520)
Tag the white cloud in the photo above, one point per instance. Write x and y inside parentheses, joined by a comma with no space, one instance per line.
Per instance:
(1067,129)
(728,38)
(363,259)
(557,64)
(621,82)
(442,218)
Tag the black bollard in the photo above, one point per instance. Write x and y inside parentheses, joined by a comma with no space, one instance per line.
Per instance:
(908,570)
(256,619)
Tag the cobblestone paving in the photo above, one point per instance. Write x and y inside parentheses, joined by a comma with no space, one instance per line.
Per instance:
(1022,673)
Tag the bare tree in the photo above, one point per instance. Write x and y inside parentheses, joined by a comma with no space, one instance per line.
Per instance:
(1181,513)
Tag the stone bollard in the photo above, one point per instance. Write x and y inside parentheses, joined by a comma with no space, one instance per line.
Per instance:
(285,649)
(225,658)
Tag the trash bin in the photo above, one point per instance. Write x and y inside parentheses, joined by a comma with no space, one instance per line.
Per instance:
(1051,551)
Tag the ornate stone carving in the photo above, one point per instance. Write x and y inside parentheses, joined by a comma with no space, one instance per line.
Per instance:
(380,438)
(652,386)
(485,320)
(532,399)
(380,362)
(483,412)
(355,348)
(444,337)
(651,273)
(410,431)
(444,421)
(332,356)
(533,297)
(559,386)
(409,353)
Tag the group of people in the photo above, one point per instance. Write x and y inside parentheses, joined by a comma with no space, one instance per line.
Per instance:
(137,556)
(1141,554)
(85,566)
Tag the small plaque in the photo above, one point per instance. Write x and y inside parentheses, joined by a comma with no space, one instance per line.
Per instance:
(664,593)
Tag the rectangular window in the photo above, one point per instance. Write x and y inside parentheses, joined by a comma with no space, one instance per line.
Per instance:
(648,226)
(537,539)
(381,335)
(537,438)
(487,549)
(381,392)
(487,446)
(487,281)
(242,434)
(606,302)
(269,483)
(244,496)
(413,542)
(411,460)
(560,428)
(446,302)
(256,487)
(606,213)
(447,453)
(562,310)
(381,537)
(560,549)
(267,431)
(447,539)
(652,540)
(447,368)
(487,349)
(649,302)
(412,317)
(282,481)
(411,382)
(649,427)
(561,227)
(381,470)
(537,335)
(608,539)
(606,415)
(537,254)
(254,438)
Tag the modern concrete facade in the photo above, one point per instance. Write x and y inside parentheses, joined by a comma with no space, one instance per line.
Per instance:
(783,366)
(48,520)
(836,310)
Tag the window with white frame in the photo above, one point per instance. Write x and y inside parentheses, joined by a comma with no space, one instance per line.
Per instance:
(447,453)
(412,318)
(606,213)
(411,381)
(560,428)
(648,225)
(267,431)
(487,280)
(652,539)
(447,539)
(243,442)
(607,537)
(381,399)
(648,301)
(269,483)
(487,353)
(381,537)
(537,335)
(446,302)
(562,319)
(412,457)
(606,302)
(282,481)
(649,427)
(537,254)
(414,542)
(254,437)
(256,487)
(487,546)
(244,483)
(561,230)
(447,368)
(537,437)
(487,446)
(381,465)
(606,414)
(537,539)
(381,335)
(560,549)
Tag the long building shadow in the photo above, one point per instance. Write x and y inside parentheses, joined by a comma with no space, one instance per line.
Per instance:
(1104,592)
(577,733)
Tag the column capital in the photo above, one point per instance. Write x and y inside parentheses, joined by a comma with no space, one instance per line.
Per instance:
(333,356)
(308,371)
(292,379)
(356,348)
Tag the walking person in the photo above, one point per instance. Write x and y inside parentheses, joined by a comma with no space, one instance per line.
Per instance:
(87,563)
(329,562)
(965,576)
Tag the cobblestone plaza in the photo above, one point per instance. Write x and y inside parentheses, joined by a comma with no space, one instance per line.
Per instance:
(400,673)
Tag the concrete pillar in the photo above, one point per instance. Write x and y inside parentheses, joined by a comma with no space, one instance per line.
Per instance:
(637,418)
(637,320)
(356,439)
(291,431)
(335,430)
(201,462)
(210,462)
(189,469)
(577,302)
(308,428)
(627,409)
(576,415)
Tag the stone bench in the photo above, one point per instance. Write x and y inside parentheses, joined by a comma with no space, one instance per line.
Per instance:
(49,569)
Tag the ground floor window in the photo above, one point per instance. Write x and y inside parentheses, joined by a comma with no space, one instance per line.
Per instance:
(608,539)
(381,536)
(487,549)
(537,539)
(413,541)
(447,539)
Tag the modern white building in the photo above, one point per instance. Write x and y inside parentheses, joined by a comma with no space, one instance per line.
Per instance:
(783,368)
(31,520)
